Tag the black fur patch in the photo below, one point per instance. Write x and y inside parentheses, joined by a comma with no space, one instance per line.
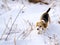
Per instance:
(45,17)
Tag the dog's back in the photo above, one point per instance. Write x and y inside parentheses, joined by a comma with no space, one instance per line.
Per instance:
(45,16)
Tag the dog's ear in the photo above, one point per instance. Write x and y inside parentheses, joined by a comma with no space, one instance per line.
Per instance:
(37,24)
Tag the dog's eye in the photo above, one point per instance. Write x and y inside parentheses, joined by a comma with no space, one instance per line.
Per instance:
(40,26)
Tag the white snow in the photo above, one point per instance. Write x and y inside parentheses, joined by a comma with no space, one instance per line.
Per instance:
(31,13)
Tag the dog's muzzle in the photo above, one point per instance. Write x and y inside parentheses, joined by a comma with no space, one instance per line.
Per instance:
(39,30)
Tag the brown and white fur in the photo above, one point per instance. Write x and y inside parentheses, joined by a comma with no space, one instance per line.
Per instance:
(44,21)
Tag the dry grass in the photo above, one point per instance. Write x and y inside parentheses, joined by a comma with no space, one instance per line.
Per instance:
(37,1)
(53,40)
(27,31)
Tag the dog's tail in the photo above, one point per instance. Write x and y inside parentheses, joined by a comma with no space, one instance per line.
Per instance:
(48,10)
(50,6)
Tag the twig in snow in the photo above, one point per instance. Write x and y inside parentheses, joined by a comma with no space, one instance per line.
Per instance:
(6,4)
(14,41)
(14,22)
(25,33)
(5,28)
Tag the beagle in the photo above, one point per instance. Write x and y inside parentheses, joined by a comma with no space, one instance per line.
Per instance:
(44,21)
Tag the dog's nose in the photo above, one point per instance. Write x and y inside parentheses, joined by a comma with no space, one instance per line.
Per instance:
(37,28)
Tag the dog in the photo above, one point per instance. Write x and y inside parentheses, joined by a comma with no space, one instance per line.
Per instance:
(44,21)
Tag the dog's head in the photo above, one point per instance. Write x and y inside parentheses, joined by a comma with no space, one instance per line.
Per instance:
(41,25)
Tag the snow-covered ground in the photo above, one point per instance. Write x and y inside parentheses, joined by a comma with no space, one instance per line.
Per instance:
(21,20)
